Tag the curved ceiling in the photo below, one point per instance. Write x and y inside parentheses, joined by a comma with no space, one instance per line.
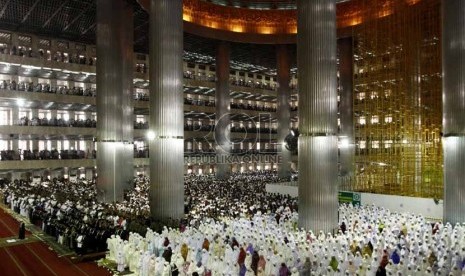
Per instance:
(75,20)
(257,4)
(260,4)
(249,21)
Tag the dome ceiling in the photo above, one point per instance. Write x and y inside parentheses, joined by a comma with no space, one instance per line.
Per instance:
(260,4)
(257,4)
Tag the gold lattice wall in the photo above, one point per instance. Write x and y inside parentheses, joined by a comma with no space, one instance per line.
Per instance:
(397,100)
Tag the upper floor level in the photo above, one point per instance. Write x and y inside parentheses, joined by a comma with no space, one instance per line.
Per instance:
(84,56)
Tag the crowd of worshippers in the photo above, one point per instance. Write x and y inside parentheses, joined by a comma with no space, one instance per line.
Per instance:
(58,56)
(8,155)
(70,211)
(255,107)
(198,126)
(46,88)
(56,122)
(199,102)
(240,194)
(233,227)
(370,241)
(257,84)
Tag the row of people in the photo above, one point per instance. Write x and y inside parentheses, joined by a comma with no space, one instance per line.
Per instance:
(56,122)
(16,155)
(208,127)
(232,151)
(192,76)
(11,155)
(91,92)
(81,58)
(66,211)
(59,56)
(190,101)
(47,88)
(253,107)
(235,82)
(235,105)
(264,130)
(260,85)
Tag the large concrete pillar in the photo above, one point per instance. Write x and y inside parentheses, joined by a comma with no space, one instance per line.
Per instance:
(222,110)
(316,60)
(115,163)
(89,173)
(283,111)
(346,108)
(453,56)
(14,121)
(166,109)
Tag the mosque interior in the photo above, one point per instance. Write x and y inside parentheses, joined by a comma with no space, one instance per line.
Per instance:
(396,87)
(324,96)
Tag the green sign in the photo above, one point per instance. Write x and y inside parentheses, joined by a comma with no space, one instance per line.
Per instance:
(350,197)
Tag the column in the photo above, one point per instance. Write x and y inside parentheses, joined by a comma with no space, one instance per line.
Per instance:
(15,78)
(71,84)
(87,85)
(72,115)
(166,110)
(316,61)
(14,115)
(115,163)
(283,111)
(54,113)
(35,141)
(72,52)
(222,110)
(46,174)
(14,41)
(34,80)
(56,174)
(88,53)
(35,46)
(453,57)
(53,82)
(89,173)
(346,108)
(66,172)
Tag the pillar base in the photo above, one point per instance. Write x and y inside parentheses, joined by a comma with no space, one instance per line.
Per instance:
(454,187)
(318,203)
(166,194)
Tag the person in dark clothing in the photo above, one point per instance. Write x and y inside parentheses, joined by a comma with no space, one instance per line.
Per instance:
(381,271)
(255,259)
(283,270)
(22,231)
(343,228)
(167,254)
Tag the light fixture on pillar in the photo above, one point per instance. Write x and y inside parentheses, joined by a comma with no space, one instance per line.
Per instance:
(344,142)
(20,102)
(150,135)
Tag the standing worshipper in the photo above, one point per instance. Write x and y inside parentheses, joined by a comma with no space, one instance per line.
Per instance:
(22,231)
(283,270)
